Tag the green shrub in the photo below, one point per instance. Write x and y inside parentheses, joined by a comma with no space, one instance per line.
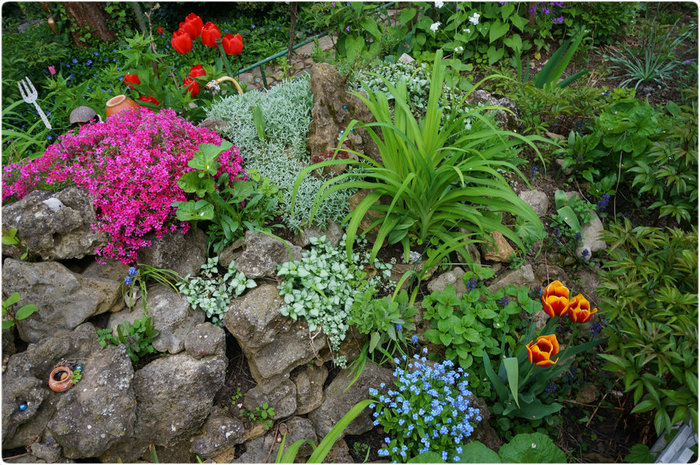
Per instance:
(649,290)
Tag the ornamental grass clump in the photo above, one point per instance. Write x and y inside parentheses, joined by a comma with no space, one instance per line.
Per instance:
(427,411)
(130,165)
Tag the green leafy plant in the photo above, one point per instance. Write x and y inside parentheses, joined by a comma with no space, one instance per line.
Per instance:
(136,337)
(139,276)
(572,213)
(523,376)
(653,61)
(385,320)
(15,316)
(322,286)
(9,237)
(556,65)
(232,206)
(479,323)
(262,415)
(211,292)
(324,447)
(77,375)
(639,453)
(668,170)
(435,179)
(649,289)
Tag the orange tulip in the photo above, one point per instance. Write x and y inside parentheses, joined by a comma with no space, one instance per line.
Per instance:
(580,309)
(555,299)
(540,352)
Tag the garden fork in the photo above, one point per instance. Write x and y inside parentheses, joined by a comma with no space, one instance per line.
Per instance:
(29,95)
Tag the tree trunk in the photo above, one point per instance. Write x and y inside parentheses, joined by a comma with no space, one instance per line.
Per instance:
(88,15)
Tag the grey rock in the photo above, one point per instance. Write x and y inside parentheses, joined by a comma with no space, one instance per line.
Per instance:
(230,253)
(171,314)
(183,253)
(83,114)
(53,225)
(265,449)
(109,269)
(537,200)
(204,340)
(175,396)
(282,397)
(220,431)
(506,119)
(589,283)
(46,452)
(474,253)
(339,453)
(328,116)
(262,255)
(309,383)
(545,274)
(523,276)
(272,343)
(406,59)
(332,233)
(64,299)
(450,278)
(26,380)
(214,123)
(99,410)
(338,401)
(591,238)
(172,317)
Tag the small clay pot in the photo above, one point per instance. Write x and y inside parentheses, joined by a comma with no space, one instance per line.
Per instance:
(60,379)
(119,103)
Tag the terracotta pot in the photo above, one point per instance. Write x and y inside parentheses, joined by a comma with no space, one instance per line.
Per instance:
(60,379)
(119,103)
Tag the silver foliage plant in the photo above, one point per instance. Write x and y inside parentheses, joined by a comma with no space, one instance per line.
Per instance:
(213,293)
(281,154)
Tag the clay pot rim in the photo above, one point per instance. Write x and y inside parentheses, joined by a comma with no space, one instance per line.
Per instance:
(113,101)
(60,386)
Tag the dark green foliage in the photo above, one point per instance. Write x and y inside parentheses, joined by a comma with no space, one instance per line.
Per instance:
(137,337)
(479,322)
(649,290)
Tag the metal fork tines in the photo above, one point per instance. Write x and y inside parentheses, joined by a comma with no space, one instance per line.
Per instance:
(30,95)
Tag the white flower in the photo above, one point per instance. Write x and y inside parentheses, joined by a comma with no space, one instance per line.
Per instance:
(439,4)
(474,19)
(434,27)
(467,30)
(459,49)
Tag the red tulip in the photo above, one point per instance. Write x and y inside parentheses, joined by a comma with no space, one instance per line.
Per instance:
(192,25)
(159,30)
(197,71)
(210,32)
(131,78)
(192,86)
(233,45)
(181,42)
(149,99)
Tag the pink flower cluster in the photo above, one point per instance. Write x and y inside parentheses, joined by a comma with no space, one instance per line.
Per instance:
(130,165)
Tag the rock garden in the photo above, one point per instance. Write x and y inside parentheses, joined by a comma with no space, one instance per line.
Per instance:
(349,232)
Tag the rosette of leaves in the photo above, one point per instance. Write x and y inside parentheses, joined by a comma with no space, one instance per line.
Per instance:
(136,337)
(213,293)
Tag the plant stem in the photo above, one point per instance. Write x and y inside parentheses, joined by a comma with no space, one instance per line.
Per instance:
(224,58)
